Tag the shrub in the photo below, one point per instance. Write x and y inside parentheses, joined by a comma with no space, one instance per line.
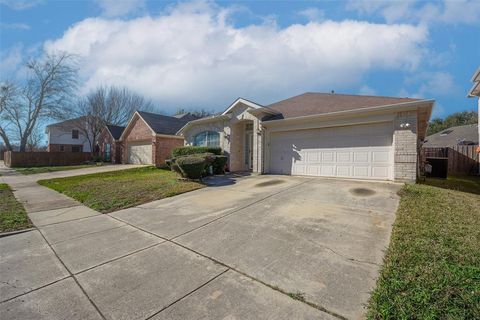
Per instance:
(191,167)
(219,164)
(191,150)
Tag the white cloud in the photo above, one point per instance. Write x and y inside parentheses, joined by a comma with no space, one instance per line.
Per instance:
(21,4)
(14,26)
(431,84)
(447,11)
(312,14)
(192,56)
(117,8)
(366,90)
(11,59)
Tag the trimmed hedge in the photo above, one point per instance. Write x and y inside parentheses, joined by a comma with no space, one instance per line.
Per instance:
(191,167)
(192,150)
(219,164)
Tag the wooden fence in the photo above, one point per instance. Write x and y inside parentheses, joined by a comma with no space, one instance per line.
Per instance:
(40,159)
(461,159)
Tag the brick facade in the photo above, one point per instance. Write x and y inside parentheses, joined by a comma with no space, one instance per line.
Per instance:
(116,147)
(162,148)
(405,143)
(162,145)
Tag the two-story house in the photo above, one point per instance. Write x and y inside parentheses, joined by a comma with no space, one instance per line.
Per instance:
(67,136)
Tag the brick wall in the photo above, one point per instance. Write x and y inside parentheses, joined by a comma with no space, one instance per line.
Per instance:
(162,149)
(138,131)
(405,146)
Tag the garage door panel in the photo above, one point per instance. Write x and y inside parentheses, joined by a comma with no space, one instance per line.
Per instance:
(140,153)
(362,151)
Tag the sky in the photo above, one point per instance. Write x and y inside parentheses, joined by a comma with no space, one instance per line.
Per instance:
(205,54)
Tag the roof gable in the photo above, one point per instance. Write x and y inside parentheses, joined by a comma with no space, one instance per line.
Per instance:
(161,124)
(115,131)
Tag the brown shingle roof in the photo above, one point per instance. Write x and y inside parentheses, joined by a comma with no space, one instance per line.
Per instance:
(467,134)
(312,103)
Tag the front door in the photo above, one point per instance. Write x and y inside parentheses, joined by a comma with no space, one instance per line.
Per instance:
(249,150)
(107,152)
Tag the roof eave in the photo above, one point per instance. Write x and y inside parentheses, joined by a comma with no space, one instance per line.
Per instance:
(246,102)
(201,121)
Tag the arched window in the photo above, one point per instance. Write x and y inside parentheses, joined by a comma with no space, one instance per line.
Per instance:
(207,138)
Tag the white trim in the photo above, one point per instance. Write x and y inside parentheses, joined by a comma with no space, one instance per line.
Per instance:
(202,121)
(245,102)
(404,106)
(476,75)
(476,86)
(168,136)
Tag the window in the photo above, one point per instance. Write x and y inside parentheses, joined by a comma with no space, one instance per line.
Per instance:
(62,148)
(76,148)
(74,134)
(207,138)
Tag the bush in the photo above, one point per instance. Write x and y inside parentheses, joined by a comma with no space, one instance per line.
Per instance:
(219,164)
(192,150)
(191,167)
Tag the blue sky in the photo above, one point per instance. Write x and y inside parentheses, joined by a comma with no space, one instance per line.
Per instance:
(202,54)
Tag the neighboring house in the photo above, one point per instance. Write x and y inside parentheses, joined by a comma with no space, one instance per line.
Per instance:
(319,134)
(67,136)
(110,145)
(461,135)
(150,138)
(475,92)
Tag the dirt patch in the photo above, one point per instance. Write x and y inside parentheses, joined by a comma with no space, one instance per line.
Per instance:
(362,192)
(270,183)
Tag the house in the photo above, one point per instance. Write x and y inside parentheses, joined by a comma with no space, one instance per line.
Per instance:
(319,134)
(68,136)
(110,145)
(460,135)
(149,138)
(475,92)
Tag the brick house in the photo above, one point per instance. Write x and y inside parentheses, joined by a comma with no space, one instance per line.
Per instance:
(319,134)
(109,144)
(149,138)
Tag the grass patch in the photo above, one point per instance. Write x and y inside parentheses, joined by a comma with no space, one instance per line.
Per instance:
(35,170)
(12,214)
(297,296)
(112,191)
(469,184)
(432,267)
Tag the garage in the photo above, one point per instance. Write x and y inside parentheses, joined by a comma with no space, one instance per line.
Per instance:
(140,152)
(357,151)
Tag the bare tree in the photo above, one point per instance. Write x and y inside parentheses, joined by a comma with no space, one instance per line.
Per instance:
(107,105)
(47,91)
(8,96)
(199,113)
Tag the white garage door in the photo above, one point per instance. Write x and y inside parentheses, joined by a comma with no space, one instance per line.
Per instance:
(140,153)
(361,151)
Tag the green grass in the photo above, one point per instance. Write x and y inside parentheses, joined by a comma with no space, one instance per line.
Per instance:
(12,214)
(112,191)
(35,170)
(469,184)
(432,267)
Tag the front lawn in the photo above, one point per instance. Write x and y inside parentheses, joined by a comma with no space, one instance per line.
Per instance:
(12,214)
(112,191)
(460,183)
(432,267)
(34,170)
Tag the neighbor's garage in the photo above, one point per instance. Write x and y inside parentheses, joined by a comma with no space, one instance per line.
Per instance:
(140,152)
(359,151)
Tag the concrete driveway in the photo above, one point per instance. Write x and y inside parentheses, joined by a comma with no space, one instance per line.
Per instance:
(238,249)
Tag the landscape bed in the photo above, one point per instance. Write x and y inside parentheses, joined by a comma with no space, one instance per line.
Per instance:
(432,268)
(12,214)
(112,191)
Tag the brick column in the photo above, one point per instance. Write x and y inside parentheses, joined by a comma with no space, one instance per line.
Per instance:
(405,146)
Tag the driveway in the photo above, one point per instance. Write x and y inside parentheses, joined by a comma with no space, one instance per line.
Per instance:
(239,249)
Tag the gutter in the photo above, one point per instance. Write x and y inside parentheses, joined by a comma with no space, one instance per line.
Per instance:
(391,107)
(201,121)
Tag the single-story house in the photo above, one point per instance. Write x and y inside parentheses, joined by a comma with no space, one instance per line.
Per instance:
(149,138)
(460,135)
(319,134)
(109,143)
